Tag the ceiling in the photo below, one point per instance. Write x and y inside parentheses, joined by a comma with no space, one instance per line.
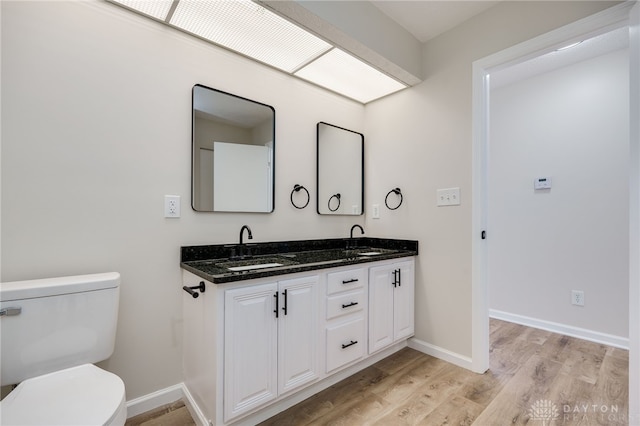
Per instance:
(426,19)
(387,35)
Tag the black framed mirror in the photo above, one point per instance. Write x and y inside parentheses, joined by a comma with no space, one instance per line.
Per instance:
(233,153)
(340,170)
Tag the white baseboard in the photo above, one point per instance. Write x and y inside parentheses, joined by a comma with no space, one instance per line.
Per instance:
(154,400)
(438,352)
(568,330)
(197,414)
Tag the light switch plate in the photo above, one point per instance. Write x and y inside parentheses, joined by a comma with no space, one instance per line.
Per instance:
(448,197)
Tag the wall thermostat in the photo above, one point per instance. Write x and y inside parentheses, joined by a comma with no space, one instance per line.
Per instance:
(542,183)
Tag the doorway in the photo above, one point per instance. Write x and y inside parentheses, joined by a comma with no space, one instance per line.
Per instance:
(597,24)
(558,183)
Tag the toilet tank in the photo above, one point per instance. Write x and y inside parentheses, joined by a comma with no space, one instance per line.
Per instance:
(50,324)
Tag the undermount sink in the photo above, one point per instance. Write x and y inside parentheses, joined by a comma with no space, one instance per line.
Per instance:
(368,251)
(250,267)
(255,263)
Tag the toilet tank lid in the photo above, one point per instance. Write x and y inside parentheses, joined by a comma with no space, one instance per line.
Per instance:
(19,290)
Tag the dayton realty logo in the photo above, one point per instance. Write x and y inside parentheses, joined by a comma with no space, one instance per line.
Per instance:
(600,413)
(545,411)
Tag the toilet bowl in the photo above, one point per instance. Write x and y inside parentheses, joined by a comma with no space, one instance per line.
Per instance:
(53,330)
(78,396)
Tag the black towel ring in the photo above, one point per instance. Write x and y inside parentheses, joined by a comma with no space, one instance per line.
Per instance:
(336,196)
(297,188)
(386,199)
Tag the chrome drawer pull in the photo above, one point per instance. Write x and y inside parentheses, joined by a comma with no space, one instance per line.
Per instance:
(353,342)
(349,305)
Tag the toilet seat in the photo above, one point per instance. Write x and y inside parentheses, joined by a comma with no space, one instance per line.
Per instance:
(83,395)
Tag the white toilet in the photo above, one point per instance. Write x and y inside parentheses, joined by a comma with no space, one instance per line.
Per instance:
(52,331)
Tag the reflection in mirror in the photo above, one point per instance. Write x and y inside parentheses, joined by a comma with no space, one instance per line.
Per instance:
(233,146)
(340,170)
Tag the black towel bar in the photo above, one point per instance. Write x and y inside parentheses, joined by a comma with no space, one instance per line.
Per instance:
(191,290)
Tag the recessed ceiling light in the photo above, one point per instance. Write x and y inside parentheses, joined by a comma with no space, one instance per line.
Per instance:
(340,72)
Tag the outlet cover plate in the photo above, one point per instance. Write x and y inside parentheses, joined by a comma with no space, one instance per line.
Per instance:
(375,211)
(172,206)
(577,297)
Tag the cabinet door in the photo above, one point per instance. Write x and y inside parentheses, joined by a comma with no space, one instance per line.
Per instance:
(403,301)
(297,333)
(250,351)
(381,310)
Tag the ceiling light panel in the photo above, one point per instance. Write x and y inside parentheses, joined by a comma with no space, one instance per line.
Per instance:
(340,72)
(250,29)
(155,8)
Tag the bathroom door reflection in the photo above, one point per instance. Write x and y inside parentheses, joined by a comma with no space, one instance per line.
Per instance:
(340,170)
(233,153)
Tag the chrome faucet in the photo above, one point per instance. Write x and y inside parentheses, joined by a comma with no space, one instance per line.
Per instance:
(248,231)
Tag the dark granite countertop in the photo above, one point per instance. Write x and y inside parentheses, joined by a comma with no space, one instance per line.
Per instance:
(211,262)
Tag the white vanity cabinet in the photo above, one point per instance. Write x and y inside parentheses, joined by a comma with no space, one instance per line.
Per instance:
(391,305)
(253,348)
(270,342)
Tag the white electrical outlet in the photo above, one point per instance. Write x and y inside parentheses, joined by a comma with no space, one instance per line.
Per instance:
(577,297)
(171,206)
(375,211)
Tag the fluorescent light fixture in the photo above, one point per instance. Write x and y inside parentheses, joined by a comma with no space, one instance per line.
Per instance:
(155,8)
(340,72)
(569,46)
(246,27)
(250,29)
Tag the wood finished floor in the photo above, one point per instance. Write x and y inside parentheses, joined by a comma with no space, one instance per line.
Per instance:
(535,378)
(175,414)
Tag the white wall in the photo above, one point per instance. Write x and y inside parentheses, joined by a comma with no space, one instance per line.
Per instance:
(571,124)
(96,129)
(420,140)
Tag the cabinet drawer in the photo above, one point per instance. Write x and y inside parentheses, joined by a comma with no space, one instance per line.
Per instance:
(346,280)
(343,304)
(345,343)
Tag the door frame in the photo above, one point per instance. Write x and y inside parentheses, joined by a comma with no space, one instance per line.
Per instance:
(634,214)
(609,19)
